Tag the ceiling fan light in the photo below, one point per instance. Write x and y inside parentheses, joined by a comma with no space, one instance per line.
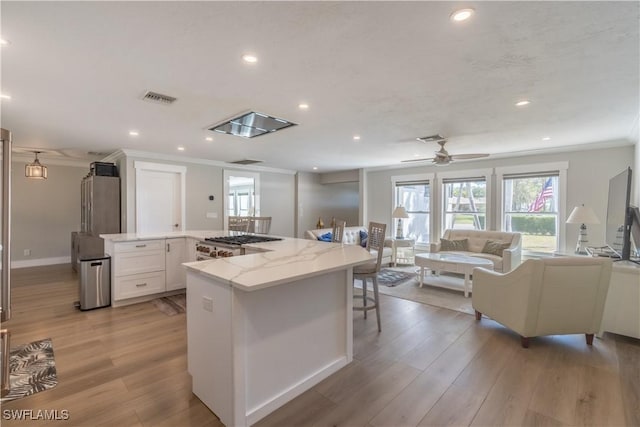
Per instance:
(35,170)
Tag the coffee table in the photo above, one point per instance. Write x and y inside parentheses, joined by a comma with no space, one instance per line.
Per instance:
(453,263)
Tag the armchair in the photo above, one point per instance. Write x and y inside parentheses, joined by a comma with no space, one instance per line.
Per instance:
(554,296)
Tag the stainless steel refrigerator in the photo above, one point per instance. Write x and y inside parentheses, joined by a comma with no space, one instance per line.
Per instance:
(5,258)
(100,214)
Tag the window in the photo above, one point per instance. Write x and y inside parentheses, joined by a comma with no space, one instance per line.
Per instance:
(464,203)
(415,196)
(530,207)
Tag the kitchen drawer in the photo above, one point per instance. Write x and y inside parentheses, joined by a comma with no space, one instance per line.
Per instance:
(139,246)
(139,262)
(138,285)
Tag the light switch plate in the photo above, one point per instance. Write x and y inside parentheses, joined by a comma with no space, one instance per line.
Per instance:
(212,214)
(207,303)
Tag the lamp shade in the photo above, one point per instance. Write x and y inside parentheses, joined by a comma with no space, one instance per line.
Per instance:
(400,212)
(583,215)
(35,170)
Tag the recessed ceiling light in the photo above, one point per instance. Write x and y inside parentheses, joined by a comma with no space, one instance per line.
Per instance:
(251,59)
(4,42)
(462,14)
(356,137)
(134,133)
(523,103)
(208,139)
(546,138)
(315,168)
(180,148)
(416,155)
(4,96)
(303,106)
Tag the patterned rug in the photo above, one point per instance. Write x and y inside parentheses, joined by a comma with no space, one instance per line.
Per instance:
(171,305)
(32,369)
(410,289)
(392,278)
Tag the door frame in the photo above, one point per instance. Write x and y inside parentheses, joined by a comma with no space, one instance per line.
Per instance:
(227,174)
(142,167)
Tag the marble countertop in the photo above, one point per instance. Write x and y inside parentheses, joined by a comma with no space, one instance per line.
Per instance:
(277,262)
(131,237)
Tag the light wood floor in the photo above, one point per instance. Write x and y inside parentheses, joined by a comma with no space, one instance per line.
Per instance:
(429,366)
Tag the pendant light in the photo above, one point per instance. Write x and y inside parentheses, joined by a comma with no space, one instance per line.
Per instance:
(35,170)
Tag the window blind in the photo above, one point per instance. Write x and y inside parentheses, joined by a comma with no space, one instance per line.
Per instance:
(544,174)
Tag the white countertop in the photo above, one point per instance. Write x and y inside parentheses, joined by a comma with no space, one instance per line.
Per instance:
(131,237)
(280,262)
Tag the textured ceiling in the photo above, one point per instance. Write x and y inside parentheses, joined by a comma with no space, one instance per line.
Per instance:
(387,71)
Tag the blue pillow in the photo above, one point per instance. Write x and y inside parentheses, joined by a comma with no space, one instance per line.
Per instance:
(364,237)
(326,237)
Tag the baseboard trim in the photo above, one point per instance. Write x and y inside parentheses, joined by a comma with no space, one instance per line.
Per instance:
(40,261)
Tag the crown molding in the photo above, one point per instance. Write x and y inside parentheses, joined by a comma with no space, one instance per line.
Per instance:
(224,165)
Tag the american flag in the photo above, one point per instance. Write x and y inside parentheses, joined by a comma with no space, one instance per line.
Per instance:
(547,192)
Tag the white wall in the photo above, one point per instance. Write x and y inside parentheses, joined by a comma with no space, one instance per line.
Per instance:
(44,213)
(338,200)
(587,182)
(203,180)
(277,201)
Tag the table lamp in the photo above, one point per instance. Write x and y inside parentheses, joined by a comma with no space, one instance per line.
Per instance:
(399,213)
(582,215)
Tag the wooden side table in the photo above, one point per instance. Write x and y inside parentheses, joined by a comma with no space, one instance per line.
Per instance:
(402,243)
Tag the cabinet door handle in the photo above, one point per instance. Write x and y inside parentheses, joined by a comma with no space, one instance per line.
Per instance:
(141,246)
(139,285)
(168,247)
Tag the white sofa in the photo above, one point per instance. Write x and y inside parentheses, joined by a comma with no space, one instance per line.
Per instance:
(511,256)
(352,237)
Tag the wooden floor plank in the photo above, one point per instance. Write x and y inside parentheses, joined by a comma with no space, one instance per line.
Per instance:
(127,366)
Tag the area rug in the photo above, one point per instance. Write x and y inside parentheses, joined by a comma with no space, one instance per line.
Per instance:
(171,305)
(388,277)
(32,369)
(410,289)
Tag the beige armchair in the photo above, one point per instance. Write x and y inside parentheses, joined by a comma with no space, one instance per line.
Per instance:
(554,296)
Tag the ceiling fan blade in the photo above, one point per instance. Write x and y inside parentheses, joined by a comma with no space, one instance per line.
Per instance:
(468,156)
(417,160)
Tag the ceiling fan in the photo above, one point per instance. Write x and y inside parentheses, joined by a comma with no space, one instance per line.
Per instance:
(442,156)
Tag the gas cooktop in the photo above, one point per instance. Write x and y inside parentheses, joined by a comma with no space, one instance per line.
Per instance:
(241,239)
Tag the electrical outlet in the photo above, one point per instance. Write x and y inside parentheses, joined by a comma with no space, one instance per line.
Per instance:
(27,252)
(207,303)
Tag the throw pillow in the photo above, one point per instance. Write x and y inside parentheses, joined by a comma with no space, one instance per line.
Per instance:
(495,248)
(454,245)
(326,237)
(364,237)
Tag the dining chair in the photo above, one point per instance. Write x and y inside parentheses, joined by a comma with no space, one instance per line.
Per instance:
(364,272)
(338,231)
(259,224)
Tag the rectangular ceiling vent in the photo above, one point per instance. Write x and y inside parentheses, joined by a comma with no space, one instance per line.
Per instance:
(158,98)
(246,162)
(251,124)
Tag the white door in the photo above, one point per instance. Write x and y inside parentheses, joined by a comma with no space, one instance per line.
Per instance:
(158,201)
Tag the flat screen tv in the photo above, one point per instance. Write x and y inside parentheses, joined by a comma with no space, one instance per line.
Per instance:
(621,216)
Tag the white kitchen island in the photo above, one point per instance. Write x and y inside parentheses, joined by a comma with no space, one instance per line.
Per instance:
(265,327)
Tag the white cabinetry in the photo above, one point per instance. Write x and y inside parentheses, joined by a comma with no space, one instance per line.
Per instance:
(176,254)
(622,309)
(142,269)
(138,268)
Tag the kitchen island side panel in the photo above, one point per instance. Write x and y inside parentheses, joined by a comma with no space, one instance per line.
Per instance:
(285,339)
(210,344)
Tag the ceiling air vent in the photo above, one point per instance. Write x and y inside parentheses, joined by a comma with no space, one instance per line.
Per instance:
(251,124)
(158,98)
(246,162)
